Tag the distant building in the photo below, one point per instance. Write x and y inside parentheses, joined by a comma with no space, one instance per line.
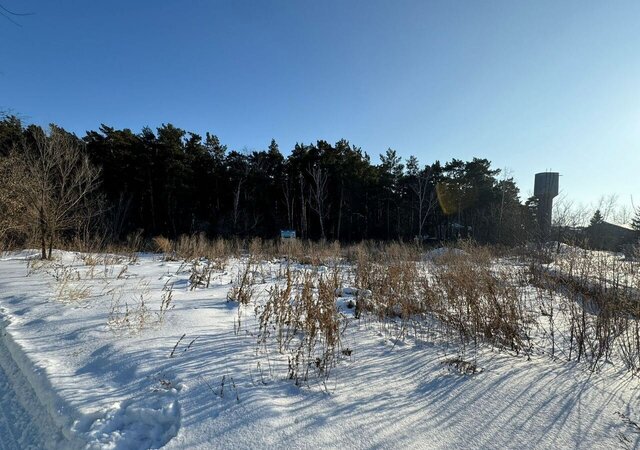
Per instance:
(609,236)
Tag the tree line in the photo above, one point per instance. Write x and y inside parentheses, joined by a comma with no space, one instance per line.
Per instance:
(170,182)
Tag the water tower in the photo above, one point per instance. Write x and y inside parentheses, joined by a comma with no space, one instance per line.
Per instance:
(545,189)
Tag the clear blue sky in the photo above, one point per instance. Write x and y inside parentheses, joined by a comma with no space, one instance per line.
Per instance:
(530,85)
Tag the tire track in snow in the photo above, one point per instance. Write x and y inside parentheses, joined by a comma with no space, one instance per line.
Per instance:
(17,428)
(25,422)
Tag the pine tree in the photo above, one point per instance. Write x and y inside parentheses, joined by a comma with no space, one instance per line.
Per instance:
(597,218)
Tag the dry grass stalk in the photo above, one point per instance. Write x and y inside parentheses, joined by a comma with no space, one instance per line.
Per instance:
(242,290)
(302,318)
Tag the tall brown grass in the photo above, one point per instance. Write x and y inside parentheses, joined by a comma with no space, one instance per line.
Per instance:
(303,319)
(599,298)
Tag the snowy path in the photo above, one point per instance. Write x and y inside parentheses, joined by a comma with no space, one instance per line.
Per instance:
(12,415)
(18,429)
(16,426)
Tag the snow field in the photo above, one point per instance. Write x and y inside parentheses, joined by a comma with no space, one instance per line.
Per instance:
(120,372)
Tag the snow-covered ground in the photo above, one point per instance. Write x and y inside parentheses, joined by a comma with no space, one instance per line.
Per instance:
(17,428)
(90,358)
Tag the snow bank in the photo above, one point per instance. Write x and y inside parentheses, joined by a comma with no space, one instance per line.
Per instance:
(42,412)
(148,421)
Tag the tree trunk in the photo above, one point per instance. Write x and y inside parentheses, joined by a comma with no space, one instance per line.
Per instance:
(43,234)
(322,234)
(236,206)
(420,223)
(43,245)
(303,210)
(152,203)
(340,211)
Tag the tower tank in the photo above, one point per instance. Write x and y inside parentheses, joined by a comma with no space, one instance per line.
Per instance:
(545,189)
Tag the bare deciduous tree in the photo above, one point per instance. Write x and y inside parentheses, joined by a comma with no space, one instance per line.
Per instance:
(236,202)
(607,206)
(319,195)
(567,213)
(54,185)
(303,206)
(11,209)
(9,15)
(287,192)
(426,199)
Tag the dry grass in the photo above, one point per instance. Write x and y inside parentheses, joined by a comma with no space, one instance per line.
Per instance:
(598,295)
(129,310)
(479,301)
(462,290)
(587,303)
(472,302)
(166,247)
(201,273)
(242,290)
(302,318)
